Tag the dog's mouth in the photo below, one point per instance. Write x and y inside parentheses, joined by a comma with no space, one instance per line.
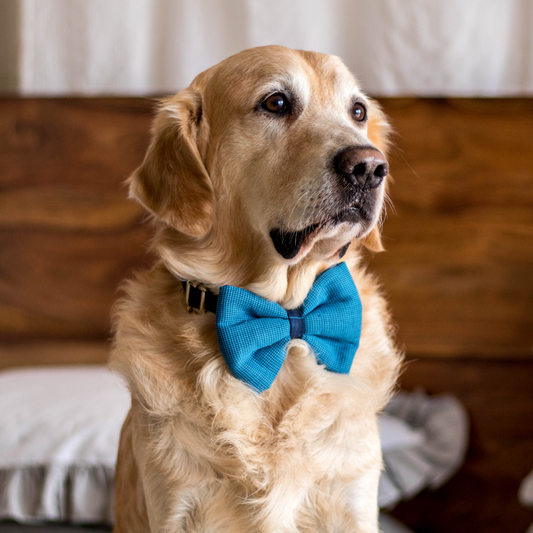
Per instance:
(289,243)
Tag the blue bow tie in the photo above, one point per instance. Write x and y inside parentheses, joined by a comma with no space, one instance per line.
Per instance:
(253,332)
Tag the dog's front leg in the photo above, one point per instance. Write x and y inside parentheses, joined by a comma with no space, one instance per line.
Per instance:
(130,506)
(139,498)
(160,490)
(142,492)
(364,500)
(182,490)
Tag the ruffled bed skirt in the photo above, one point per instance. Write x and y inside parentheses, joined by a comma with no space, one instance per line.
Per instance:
(442,424)
(59,493)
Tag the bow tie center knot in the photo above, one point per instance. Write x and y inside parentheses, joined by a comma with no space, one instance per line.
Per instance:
(297,323)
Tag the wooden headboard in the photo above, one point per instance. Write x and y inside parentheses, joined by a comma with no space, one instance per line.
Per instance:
(458,268)
(459,262)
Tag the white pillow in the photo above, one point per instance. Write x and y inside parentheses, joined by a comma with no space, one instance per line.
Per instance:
(58,442)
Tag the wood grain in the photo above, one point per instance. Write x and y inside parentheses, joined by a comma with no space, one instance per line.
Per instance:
(459,262)
(68,234)
(50,353)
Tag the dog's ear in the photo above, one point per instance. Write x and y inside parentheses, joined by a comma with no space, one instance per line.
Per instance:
(373,240)
(172,181)
(378,134)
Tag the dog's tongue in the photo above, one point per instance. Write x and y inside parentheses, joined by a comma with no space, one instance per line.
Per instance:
(287,243)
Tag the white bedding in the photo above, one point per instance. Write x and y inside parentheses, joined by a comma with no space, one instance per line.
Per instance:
(58,442)
(60,429)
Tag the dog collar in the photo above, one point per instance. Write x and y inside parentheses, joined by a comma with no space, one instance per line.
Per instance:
(198,298)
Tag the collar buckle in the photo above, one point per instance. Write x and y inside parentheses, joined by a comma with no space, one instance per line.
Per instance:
(200,309)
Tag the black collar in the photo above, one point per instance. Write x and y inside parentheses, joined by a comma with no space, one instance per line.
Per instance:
(199,298)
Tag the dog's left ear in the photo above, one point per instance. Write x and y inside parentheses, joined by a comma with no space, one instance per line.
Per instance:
(172,181)
(378,134)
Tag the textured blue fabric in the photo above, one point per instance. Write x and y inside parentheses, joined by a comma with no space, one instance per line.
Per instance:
(253,332)
(296,322)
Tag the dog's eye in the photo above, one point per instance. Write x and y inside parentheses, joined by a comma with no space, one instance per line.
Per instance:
(276,103)
(359,112)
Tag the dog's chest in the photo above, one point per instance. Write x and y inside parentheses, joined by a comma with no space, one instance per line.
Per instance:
(317,431)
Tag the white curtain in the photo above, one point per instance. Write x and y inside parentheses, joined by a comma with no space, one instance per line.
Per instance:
(138,47)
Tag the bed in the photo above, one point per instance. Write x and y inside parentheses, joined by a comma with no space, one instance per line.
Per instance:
(458,271)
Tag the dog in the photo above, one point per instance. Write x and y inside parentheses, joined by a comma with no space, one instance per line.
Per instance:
(265,173)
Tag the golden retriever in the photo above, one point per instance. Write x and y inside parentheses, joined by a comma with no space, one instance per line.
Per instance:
(259,175)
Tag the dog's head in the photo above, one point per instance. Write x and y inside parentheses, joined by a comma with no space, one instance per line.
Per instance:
(277,147)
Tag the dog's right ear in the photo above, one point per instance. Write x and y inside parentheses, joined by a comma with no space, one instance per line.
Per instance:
(172,181)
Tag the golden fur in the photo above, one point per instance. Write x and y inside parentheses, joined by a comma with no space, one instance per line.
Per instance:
(200,451)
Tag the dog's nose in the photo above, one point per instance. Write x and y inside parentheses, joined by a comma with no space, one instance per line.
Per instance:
(363,165)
